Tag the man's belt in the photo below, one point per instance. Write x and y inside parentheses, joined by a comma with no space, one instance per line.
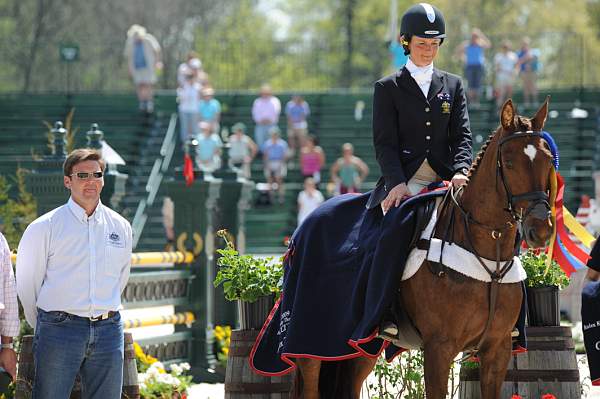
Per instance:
(103,316)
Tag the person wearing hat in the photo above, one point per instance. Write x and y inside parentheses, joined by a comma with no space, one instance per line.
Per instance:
(143,55)
(208,153)
(421,129)
(210,108)
(242,150)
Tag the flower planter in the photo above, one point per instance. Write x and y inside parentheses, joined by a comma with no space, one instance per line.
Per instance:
(542,306)
(252,315)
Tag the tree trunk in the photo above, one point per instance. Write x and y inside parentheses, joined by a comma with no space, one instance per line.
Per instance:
(35,43)
(347,69)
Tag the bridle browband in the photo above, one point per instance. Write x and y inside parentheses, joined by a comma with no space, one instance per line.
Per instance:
(539,204)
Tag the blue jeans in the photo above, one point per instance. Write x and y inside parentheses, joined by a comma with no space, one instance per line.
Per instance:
(65,345)
(188,125)
(261,134)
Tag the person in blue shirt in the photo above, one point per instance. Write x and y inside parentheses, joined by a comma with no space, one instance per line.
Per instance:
(210,109)
(473,56)
(275,155)
(528,65)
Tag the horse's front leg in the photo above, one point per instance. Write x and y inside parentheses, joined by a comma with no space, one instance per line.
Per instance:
(438,358)
(494,362)
(310,369)
(362,368)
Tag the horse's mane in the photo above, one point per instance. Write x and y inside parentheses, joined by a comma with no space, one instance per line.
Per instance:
(521,121)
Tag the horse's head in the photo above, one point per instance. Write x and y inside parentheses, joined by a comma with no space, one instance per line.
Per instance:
(525,168)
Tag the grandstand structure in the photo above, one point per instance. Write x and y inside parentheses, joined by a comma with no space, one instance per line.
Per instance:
(573,122)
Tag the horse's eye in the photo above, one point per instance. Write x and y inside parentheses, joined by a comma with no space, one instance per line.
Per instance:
(508,163)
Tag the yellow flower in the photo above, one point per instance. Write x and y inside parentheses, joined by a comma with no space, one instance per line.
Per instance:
(225,350)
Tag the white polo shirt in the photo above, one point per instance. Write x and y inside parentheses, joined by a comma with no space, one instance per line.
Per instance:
(68,261)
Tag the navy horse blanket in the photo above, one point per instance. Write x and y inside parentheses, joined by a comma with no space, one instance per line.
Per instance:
(342,271)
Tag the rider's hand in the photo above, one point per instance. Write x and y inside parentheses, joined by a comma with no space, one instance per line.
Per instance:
(459,180)
(395,195)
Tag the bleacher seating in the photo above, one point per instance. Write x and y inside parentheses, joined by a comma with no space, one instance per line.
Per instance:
(332,121)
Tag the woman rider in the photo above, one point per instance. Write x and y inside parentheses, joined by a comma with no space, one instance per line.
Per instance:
(421,129)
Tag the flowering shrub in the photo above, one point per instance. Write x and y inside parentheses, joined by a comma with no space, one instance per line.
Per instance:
(154,380)
(222,342)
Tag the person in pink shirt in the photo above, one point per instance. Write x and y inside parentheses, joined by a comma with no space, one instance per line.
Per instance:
(265,113)
(312,159)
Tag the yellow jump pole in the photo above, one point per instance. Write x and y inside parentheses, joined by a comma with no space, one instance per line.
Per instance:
(186,318)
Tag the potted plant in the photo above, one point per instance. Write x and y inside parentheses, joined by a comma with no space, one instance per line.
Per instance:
(252,281)
(542,285)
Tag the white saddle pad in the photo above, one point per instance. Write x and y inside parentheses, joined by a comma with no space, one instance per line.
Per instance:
(458,259)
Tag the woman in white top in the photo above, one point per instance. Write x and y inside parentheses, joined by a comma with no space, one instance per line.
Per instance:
(504,66)
(309,199)
(242,150)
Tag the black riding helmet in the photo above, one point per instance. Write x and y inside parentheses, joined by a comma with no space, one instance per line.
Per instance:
(423,20)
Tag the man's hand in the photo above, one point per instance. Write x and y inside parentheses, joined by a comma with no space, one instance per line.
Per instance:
(459,180)
(8,361)
(395,196)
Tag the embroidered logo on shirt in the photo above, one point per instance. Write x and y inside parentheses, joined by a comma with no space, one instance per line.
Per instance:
(445,107)
(114,240)
(444,96)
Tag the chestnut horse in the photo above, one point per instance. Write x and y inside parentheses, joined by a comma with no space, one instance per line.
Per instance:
(507,195)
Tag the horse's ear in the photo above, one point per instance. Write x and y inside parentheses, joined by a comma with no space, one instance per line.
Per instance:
(538,121)
(507,115)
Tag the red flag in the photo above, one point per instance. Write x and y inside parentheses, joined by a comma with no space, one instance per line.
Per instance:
(188,170)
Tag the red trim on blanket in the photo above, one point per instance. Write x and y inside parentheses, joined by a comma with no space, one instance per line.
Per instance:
(355,344)
(401,351)
(596,382)
(287,357)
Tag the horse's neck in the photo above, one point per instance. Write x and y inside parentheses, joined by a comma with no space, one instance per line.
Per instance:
(484,199)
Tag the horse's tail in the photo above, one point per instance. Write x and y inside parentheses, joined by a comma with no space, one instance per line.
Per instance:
(335,379)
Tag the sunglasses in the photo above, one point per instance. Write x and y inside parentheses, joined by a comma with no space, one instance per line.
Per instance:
(87,175)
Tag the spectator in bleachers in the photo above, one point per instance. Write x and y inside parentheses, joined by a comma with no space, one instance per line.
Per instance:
(192,65)
(504,66)
(296,110)
(143,60)
(528,65)
(312,159)
(208,156)
(473,56)
(265,113)
(242,149)
(188,97)
(275,155)
(349,171)
(210,108)
(309,199)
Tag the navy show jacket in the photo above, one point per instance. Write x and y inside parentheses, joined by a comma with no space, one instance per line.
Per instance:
(409,128)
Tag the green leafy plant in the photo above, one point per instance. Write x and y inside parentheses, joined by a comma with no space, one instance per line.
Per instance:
(246,277)
(15,213)
(538,274)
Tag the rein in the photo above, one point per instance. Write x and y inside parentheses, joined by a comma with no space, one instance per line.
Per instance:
(538,207)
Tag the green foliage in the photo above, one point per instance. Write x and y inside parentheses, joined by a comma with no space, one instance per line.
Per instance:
(16,214)
(538,274)
(399,379)
(245,277)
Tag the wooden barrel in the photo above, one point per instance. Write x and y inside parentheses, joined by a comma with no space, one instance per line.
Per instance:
(26,372)
(242,382)
(549,366)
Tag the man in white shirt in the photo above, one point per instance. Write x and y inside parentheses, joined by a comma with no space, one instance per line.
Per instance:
(265,113)
(72,266)
(9,311)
